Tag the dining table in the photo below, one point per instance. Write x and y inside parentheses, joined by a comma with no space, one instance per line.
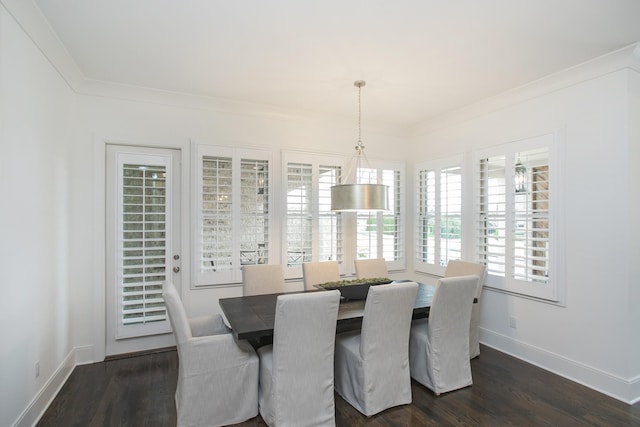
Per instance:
(252,317)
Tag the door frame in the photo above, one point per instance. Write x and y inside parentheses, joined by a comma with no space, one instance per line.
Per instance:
(95,350)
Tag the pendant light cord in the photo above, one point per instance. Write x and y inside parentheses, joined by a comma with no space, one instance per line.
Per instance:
(356,160)
(360,145)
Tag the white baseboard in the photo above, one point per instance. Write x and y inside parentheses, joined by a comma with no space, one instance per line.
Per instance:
(625,390)
(39,404)
(84,355)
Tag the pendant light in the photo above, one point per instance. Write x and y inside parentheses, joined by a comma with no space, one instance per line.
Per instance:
(351,197)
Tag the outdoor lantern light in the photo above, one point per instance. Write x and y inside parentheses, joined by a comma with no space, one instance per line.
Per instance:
(520,177)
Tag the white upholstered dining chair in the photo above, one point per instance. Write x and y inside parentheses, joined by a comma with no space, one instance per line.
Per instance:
(258,279)
(439,345)
(464,268)
(371,268)
(217,378)
(317,272)
(372,365)
(296,372)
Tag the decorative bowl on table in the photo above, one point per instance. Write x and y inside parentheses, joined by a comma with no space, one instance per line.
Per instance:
(354,289)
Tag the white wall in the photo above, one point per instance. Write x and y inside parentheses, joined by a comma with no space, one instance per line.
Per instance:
(36,119)
(593,337)
(634,225)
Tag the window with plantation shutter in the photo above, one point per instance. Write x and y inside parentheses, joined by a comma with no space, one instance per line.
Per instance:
(143,243)
(140,248)
(233,212)
(381,234)
(329,223)
(313,232)
(300,209)
(515,231)
(438,214)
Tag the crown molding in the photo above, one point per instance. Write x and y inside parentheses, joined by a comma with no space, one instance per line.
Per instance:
(635,58)
(627,57)
(27,15)
(31,20)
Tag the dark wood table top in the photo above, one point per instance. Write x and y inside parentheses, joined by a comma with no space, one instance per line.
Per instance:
(253,317)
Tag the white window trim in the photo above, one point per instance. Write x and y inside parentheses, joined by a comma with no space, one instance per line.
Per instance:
(553,291)
(438,165)
(204,279)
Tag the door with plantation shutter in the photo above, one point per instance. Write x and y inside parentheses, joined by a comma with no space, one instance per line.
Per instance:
(142,245)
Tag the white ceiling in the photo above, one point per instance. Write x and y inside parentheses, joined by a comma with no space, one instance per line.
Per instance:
(420,58)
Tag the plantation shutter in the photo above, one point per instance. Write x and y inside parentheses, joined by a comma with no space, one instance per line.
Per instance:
(329,224)
(426,217)
(531,219)
(492,219)
(450,214)
(368,240)
(217,215)
(392,220)
(143,227)
(299,213)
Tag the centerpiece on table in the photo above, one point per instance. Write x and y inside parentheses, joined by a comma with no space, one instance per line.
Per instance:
(356,288)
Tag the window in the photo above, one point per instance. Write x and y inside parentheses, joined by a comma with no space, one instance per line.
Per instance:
(438,214)
(233,212)
(313,232)
(516,233)
(381,234)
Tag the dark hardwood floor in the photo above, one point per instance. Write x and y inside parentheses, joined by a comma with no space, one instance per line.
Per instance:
(139,391)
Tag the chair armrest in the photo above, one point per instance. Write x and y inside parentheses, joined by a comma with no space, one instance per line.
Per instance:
(208,325)
(213,353)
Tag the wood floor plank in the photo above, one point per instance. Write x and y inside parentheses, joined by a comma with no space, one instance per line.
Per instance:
(139,391)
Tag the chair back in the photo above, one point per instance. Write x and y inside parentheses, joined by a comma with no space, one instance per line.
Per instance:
(464,268)
(371,268)
(177,315)
(258,279)
(318,272)
(386,323)
(449,318)
(303,356)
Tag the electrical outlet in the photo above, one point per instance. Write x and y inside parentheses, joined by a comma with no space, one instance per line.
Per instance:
(37,368)
(513,322)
